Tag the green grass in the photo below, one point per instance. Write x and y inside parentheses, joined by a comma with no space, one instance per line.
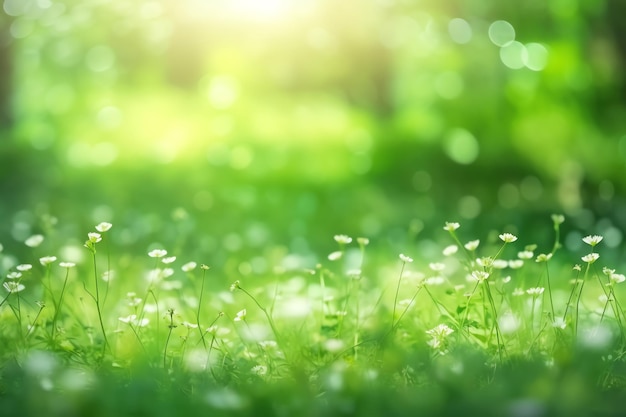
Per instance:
(491,326)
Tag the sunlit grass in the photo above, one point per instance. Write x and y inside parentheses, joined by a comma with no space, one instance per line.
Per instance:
(316,324)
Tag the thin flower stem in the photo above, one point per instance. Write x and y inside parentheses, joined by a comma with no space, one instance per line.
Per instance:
(550,291)
(97,299)
(57,311)
(199,307)
(395,299)
(171,326)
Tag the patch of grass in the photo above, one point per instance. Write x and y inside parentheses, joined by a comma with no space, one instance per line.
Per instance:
(492,327)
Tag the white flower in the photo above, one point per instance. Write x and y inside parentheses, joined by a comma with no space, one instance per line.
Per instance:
(405,258)
(47,260)
(559,323)
(525,254)
(24,267)
(500,264)
(617,278)
(485,262)
(189,266)
(516,263)
(436,266)
(34,241)
(451,226)
(234,286)
(168,260)
(591,258)
(103,227)
(132,319)
(518,291)
(13,286)
(543,257)
(472,245)
(440,332)
(535,291)
(507,237)
(67,264)
(14,275)
(363,241)
(94,237)
(450,250)
(480,276)
(157,253)
(189,325)
(592,240)
(241,315)
(342,239)
(335,255)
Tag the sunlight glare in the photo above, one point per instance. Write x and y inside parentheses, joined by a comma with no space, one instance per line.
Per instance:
(259,9)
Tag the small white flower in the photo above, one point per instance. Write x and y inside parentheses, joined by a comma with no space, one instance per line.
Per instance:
(13,286)
(472,245)
(436,280)
(34,241)
(577,268)
(450,250)
(405,258)
(535,291)
(167,272)
(168,260)
(108,276)
(335,255)
(342,239)
(480,276)
(516,263)
(518,291)
(525,254)
(592,240)
(14,275)
(103,227)
(436,266)
(617,278)
(507,237)
(440,332)
(485,262)
(94,237)
(543,257)
(204,267)
(591,258)
(451,226)
(47,260)
(24,267)
(128,319)
(500,264)
(189,325)
(67,265)
(559,323)
(189,266)
(363,241)
(157,253)
(241,315)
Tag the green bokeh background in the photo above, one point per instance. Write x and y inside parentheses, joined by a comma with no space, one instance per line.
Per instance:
(227,127)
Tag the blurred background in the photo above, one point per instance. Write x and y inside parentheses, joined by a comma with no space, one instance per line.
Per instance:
(226,127)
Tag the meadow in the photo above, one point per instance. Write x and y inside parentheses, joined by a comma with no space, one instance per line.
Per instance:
(493,325)
(312,207)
